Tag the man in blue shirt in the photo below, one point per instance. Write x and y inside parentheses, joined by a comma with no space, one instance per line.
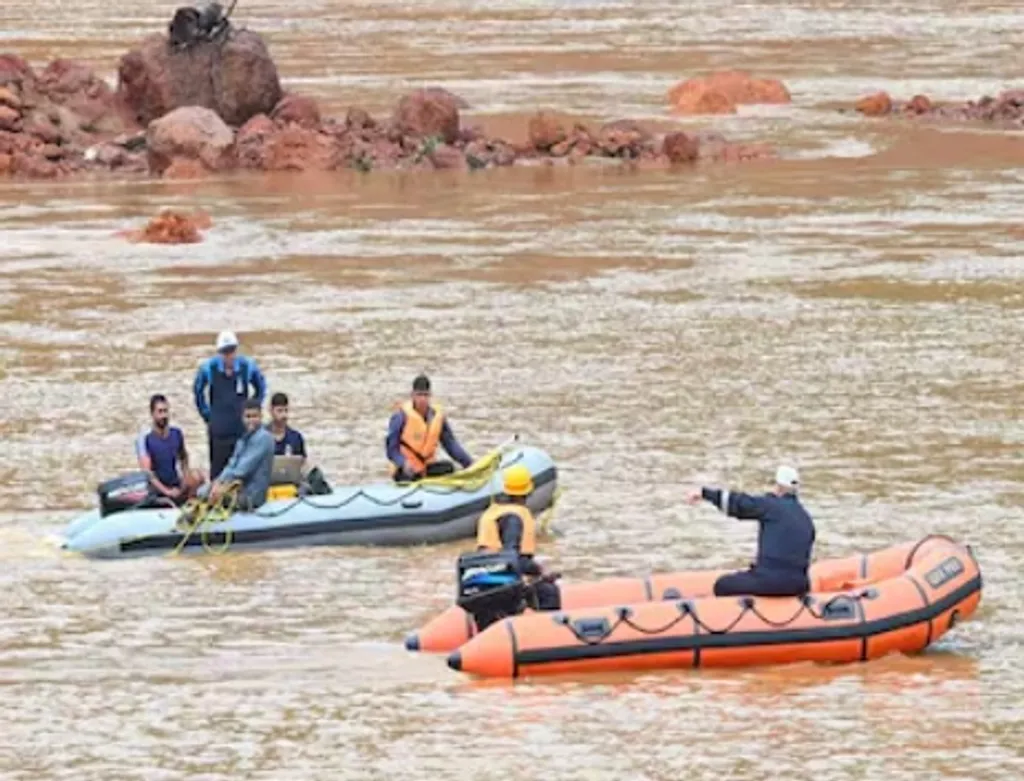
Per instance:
(287,441)
(160,450)
(784,540)
(251,463)
(221,390)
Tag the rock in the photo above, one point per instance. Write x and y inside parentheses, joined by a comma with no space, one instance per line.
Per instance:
(236,78)
(34,166)
(73,85)
(42,127)
(298,110)
(445,157)
(875,105)
(10,119)
(250,141)
(193,133)
(424,113)
(703,101)
(722,91)
(184,168)
(919,104)
(296,148)
(170,227)
(16,74)
(52,152)
(680,148)
(622,138)
(450,97)
(358,119)
(9,99)
(545,131)
(6,163)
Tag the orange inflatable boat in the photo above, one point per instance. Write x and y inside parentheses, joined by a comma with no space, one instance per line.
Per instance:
(896,600)
(453,627)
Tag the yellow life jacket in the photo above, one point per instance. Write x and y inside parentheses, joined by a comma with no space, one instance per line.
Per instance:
(488,535)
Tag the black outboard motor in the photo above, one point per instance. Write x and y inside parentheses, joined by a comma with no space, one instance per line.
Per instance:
(123,493)
(490,586)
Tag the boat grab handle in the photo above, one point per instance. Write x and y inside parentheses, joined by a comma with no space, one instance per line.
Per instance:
(411,504)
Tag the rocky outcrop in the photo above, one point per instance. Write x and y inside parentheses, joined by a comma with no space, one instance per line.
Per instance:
(721,92)
(218,106)
(1007,108)
(235,78)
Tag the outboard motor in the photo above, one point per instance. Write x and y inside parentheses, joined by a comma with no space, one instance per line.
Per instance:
(123,493)
(490,586)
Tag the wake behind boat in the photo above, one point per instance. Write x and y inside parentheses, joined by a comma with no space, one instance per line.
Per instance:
(432,511)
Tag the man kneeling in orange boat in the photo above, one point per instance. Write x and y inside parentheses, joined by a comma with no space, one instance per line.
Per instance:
(510,526)
(784,540)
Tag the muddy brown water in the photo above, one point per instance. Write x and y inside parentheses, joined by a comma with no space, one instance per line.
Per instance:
(857,314)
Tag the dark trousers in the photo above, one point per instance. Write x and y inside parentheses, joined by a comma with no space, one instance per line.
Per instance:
(221,449)
(435,469)
(761,583)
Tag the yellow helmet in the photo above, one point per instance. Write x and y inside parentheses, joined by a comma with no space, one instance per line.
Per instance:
(518,481)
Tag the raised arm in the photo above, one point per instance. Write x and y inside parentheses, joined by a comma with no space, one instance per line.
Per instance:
(735,504)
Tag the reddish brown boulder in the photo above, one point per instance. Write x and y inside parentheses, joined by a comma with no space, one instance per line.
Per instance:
(445,157)
(9,99)
(10,119)
(876,105)
(16,75)
(34,166)
(236,78)
(545,131)
(359,119)
(680,148)
(296,148)
(703,100)
(298,110)
(721,92)
(449,97)
(169,227)
(919,104)
(249,143)
(425,113)
(192,133)
(71,84)
(622,138)
(6,163)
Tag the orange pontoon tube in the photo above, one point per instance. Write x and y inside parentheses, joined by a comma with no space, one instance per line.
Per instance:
(453,627)
(937,583)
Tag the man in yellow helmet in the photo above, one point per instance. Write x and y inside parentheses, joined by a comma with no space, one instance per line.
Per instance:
(509,525)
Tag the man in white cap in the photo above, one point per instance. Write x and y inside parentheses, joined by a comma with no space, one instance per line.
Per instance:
(221,389)
(784,540)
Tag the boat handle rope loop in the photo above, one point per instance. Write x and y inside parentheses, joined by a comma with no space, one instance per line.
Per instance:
(688,609)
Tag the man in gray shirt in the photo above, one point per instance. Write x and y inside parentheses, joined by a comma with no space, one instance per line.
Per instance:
(251,463)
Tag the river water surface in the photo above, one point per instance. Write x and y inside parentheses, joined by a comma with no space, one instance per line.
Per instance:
(856,309)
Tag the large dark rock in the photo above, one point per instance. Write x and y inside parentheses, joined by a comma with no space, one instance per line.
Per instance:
(235,77)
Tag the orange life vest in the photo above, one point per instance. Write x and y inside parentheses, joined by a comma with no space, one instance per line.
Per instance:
(418,440)
(488,535)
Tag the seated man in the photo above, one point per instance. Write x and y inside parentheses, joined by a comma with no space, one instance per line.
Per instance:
(414,432)
(287,441)
(160,450)
(251,463)
(784,541)
(509,525)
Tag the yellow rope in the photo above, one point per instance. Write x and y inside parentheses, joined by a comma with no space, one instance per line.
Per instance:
(199,514)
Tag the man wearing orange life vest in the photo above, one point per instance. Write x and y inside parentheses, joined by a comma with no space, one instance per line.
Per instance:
(414,432)
(509,525)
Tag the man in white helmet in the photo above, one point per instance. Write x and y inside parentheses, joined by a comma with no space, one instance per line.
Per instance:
(784,540)
(221,390)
